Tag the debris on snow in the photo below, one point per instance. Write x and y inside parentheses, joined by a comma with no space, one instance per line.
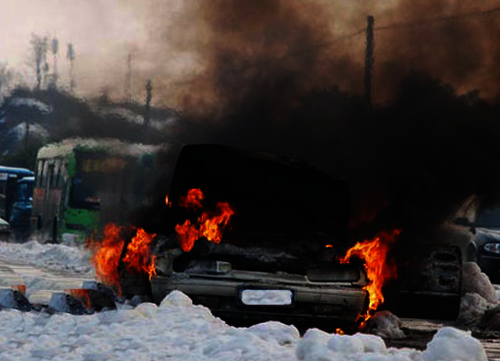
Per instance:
(384,324)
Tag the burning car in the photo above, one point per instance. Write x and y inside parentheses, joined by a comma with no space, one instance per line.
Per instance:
(254,237)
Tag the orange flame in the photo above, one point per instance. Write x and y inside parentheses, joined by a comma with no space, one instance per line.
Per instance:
(106,256)
(210,225)
(378,269)
(19,288)
(138,259)
(82,295)
(193,199)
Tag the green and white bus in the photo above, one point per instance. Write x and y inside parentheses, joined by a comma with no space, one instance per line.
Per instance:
(83,184)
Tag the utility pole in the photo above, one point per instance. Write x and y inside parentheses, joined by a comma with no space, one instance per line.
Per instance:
(70,55)
(128,78)
(369,59)
(147,109)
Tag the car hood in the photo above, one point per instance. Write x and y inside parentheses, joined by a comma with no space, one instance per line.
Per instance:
(485,235)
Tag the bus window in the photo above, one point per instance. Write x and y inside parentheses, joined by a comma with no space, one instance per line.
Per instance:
(51,176)
(82,195)
(57,182)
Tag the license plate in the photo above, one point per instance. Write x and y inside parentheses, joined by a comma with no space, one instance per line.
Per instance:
(253,297)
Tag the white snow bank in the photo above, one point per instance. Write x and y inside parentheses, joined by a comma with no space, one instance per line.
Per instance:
(475,281)
(54,257)
(177,330)
(452,344)
(31,102)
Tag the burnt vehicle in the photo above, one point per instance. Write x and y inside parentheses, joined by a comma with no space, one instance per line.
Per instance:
(484,244)
(278,257)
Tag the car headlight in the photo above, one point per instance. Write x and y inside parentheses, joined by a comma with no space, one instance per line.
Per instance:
(492,247)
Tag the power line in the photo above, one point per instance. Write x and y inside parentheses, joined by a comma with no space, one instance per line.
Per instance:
(257,64)
(439,19)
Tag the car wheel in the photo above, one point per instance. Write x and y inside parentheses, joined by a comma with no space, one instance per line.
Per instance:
(471,253)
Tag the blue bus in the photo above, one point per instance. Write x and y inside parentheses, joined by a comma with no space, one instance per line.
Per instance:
(16,197)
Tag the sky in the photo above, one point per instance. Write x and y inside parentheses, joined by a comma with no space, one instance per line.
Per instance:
(168,40)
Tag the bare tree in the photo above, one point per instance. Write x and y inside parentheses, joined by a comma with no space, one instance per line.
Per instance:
(6,76)
(40,51)
(147,108)
(70,55)
(55,48)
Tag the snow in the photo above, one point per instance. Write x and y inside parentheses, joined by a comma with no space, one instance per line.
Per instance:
(54,257)
(113,146)
(35,130)
(30,102)
(132,117)
(475,281)
(179,330)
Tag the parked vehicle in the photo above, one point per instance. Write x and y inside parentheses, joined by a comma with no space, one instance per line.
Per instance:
(289,226)
(484,245)
(16,197)
(82,184)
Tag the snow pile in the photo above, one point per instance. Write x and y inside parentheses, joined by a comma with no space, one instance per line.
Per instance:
(475,281)
(55,257)
(455,344)
(177,330)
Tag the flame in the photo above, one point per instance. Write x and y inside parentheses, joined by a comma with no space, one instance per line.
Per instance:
(192,200)
(210,225)
(167,202)
(339,331)
(19,288)
(106,256)
(152,268)
(137,258)
(378,269)
(82,295)
(188,233)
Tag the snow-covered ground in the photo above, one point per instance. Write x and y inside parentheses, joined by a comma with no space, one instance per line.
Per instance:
(53,257)
(179,330)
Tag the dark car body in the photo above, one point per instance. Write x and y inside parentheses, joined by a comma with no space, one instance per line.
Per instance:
(289,227)
(484,246)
